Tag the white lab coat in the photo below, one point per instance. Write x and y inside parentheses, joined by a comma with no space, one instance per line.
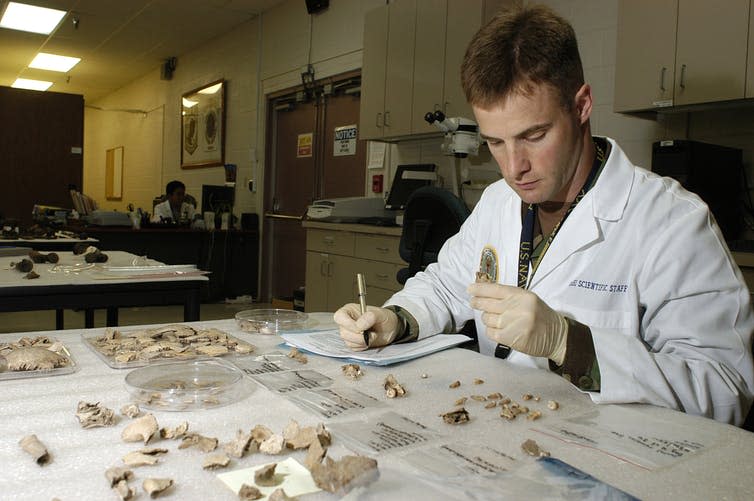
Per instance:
(163,211)
(640,261)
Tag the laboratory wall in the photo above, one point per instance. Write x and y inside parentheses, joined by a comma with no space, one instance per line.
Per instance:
(268,54)
(264,55)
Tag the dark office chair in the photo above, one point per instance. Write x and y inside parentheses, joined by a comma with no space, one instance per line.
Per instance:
(432,215)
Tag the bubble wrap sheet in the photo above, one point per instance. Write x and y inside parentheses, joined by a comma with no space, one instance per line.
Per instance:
(46,407)
(66,275)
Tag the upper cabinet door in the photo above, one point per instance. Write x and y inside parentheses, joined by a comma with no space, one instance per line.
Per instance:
(710,62)
(429,63)
(645,54)
(399,82)
(372,102)
(464,20)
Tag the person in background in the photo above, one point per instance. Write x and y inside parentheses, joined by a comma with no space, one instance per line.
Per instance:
(577,261)
(174,208)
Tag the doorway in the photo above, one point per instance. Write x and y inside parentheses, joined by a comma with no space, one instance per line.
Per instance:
(305,166)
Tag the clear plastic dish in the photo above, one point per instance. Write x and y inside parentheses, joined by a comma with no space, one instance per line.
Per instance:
(270,321)
(68,367)
(133,347)
(188,385)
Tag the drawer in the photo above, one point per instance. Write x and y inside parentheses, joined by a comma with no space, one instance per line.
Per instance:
(378,248)
(378,297)
(381,275)
(334,242)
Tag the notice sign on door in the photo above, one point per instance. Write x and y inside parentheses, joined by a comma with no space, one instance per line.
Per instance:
(345,141)
(304,145)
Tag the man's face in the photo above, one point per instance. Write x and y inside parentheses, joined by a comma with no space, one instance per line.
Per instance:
(176,198)
(536,141)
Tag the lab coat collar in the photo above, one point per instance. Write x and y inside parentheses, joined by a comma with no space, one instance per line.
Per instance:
(605,201)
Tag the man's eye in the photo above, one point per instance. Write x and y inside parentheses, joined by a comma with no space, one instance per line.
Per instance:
(494,142)
(536,136)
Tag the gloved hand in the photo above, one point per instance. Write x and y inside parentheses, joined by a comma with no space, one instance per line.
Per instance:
(518,318)
(381,324)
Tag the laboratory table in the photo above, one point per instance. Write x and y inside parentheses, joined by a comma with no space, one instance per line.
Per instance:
(46,407)
(48,244)
(59,287)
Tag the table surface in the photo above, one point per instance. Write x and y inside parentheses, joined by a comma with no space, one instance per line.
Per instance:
(46,407)
(61,273)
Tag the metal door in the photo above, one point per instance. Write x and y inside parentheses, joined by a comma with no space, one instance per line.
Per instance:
(301,171)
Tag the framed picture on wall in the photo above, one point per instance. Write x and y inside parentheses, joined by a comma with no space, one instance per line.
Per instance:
(203,126)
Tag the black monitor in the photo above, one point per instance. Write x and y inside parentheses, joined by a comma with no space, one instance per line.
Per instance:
(408,178)
(217,199)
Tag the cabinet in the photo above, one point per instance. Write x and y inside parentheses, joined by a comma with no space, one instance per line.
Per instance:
(679,53)
(387,70)
(411,63)
(335,253)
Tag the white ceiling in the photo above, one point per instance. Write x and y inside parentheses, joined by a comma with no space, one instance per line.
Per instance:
(119,41)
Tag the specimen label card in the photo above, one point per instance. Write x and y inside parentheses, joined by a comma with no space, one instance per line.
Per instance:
(384,432)
(332,402)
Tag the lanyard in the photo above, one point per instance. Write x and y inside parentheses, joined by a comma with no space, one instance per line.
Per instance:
(527,230)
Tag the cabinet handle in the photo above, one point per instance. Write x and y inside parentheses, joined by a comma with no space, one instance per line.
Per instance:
(381,276)
(329,268)
(682,85)
(322,269)
(387,119)
(437,107)
(378,121)
(445,107)
(382,249)
(662,78)
(328,240)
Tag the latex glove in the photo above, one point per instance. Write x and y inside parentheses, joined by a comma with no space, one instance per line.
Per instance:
(381,324)
(519,319)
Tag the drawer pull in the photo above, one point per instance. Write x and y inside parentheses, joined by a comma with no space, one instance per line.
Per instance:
(382,249)
(328,240)
(381,276)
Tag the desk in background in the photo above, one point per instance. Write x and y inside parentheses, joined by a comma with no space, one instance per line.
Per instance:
(46,407)
(231,256)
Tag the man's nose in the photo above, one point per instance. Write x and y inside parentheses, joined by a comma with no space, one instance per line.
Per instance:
(518,161)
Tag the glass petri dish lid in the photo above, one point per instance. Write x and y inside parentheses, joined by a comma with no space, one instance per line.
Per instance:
(270,321)
(187,385)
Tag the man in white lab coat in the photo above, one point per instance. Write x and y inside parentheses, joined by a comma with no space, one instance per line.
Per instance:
(577,261)
(174,208)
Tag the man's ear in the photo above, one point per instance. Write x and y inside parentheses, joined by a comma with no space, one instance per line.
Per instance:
(583,103)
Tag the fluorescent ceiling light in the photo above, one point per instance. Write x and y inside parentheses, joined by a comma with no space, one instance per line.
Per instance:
(53,62)
(25,83)
(188,103)
(211,90)
(19,16)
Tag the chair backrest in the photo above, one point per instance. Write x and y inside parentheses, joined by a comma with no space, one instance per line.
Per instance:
(432,215)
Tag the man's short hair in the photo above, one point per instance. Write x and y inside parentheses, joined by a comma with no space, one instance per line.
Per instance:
(520,48)
(173,186)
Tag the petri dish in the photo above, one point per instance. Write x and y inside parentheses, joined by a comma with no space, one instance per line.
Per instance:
(187,385)
(270,321)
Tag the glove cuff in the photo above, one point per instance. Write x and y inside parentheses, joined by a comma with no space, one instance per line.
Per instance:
(558,355)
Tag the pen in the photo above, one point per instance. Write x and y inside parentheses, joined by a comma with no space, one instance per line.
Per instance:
(362,301)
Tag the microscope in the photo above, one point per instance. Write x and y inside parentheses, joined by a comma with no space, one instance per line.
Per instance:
(461,140)
(461,134)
